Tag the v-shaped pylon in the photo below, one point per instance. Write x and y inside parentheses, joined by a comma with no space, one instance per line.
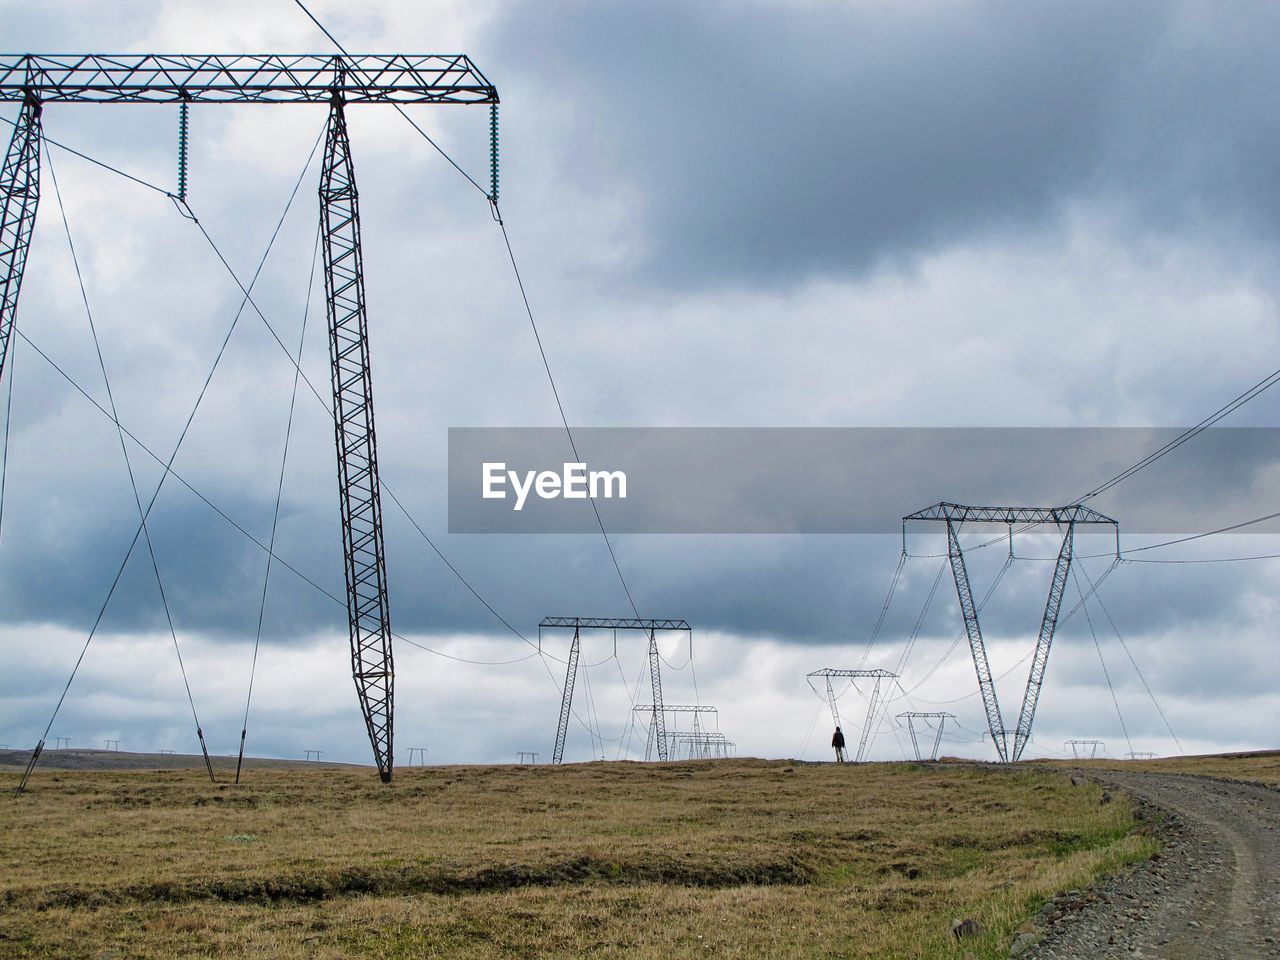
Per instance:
(973,629)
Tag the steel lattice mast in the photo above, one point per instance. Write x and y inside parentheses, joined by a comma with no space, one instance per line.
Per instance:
(566,700)
(953,515)
(19,197)
(659,721)
(36,80)
(1048,624)
(366,570)
(978,649)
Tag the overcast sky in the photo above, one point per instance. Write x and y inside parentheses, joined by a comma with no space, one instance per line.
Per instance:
(781,213)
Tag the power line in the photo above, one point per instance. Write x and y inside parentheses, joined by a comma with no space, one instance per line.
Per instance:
(884,610)
(399,109)
(1264,384)
(1210,533)
(560,406)
(1098,596)
(99,163)
(1098,646)
(1265,556)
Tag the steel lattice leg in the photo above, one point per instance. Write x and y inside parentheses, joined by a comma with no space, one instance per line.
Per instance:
(911,729)
(866,727)
(979,650)
(566,701)
(659,717)
(1049,623)
(937,739)
(371,661)
(19,197)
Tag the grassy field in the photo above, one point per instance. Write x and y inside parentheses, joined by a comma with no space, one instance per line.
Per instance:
(721,858)
(1262,766)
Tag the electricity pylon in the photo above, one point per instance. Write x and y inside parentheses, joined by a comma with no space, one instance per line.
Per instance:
(701,746)
(912,716)
(339,81)
(953,515)
(1079,747)
(651,627)
(828,672)
(698,711)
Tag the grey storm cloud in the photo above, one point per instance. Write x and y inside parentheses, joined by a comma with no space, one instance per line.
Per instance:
(772,142)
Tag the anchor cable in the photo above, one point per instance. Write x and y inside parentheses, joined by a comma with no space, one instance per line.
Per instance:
(275,512)
(133,482)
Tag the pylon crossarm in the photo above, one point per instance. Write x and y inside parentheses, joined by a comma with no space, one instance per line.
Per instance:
(959,513)
(244,78)
(851,674)
(613,623)
(675,708)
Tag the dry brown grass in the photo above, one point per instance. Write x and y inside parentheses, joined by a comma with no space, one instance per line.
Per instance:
(1261,766)
(725,858)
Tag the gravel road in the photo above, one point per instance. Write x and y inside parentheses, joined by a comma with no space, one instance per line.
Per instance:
(1213,893)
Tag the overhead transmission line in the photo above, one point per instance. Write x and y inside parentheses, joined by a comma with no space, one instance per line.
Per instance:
(1101,660)
(1231,406)
(1154,702)
(399,109)
(96,162)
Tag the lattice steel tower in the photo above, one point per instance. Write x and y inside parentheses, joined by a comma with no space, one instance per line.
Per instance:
(953,515)
(339,81)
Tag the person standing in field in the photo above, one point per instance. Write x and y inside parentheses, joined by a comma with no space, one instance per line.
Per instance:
(837,741)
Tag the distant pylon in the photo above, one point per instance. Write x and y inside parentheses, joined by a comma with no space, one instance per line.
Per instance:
(872,704)
(912,716)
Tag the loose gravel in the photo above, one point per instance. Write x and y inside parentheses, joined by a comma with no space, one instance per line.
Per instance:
(1213,892)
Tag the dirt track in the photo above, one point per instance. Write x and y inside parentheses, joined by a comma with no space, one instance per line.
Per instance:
(1214,893)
